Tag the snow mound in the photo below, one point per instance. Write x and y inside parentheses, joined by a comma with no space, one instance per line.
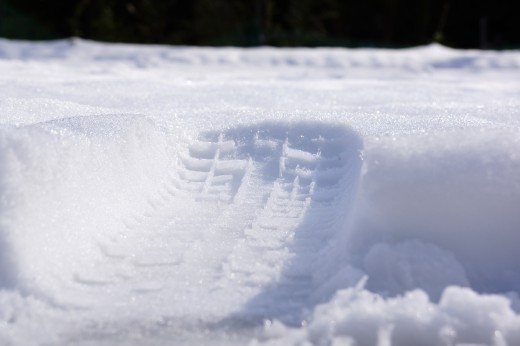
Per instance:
(67,188)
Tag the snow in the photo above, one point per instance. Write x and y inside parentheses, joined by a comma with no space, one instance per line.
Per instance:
(158,195)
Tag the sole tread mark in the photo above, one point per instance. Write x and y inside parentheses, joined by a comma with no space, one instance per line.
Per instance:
(218,172)
(306,179)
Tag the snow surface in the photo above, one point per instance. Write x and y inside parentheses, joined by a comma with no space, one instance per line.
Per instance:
(174,195)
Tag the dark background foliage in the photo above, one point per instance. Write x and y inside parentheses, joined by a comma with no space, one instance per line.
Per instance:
(353,23)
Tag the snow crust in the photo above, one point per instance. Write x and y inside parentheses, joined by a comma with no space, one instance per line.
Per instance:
(159,195)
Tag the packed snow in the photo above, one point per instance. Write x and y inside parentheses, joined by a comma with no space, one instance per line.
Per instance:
(175,195)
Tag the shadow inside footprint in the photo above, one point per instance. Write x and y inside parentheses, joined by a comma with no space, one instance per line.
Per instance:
(313,169)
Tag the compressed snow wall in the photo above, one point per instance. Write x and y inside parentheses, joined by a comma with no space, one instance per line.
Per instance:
(444,209)
(68,187)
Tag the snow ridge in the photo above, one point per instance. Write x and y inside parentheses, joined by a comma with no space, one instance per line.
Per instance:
(432,57)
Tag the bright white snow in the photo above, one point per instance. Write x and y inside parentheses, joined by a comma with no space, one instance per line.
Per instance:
(174,195)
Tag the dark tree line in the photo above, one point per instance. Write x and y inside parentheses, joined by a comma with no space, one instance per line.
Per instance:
(392,23)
